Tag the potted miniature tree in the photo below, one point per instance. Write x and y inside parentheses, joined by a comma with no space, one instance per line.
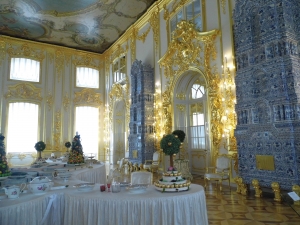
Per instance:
(40,146)
(170,144)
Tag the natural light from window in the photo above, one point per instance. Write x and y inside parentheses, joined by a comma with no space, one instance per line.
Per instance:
(22,130)
(24,69)
(87,77)
(87,126)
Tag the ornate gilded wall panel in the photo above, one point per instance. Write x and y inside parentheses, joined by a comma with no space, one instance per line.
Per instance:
(26,51)
(87,97)
(193,50)
(24,91)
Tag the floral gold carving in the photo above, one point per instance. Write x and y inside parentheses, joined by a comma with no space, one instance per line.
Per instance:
(59,63)
(85,60)
(133,44)
(57,131)
(180,107)
(66,101)
(87,97)
(143,36)
(24,91)
(49,101)
(223,4)
(26,51)
(181,96)
(154,22)
(2,51)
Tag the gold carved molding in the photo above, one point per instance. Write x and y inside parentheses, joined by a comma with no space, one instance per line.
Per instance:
(180,107)
(2,51)
(59,63)
(66,102)
(87,97)
(57,131)
(86,60)
(193,50)
(49,100)
(26,51)
(143,36)
(24,91)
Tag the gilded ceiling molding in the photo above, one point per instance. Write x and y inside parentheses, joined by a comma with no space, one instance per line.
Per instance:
(26,51)
(66,102)
(85,60)
(143,36)
(49,100)
(154,22)
(59,63)
(2,51)
(133,43)
(57,131)
(87,97)
(25,91)
(192,49)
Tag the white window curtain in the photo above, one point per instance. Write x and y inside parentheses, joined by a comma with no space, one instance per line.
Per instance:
(87,126)
(22,129)
(87,77)
(24,69)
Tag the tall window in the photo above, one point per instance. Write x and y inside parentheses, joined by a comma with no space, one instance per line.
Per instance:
(119,69)
(87,77)
(87,125)
(190,12)
(24,69)
(22,129)
(197,124)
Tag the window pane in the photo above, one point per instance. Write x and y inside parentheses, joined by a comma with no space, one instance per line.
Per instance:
(87,77)
(24,69)
(22,130)
(87,126)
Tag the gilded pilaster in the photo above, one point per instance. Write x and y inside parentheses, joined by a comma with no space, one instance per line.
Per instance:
(59,63)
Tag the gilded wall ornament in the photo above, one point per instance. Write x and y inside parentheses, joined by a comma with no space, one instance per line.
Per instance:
(87,97)
(154,22)
(2,51)
(66,102)
(223,4)
(184,52)
(180,107)
(59,63)
(49,100)
(26,51)
(57,131)
(24,91)
(86,60)
(181,96)
(133,44)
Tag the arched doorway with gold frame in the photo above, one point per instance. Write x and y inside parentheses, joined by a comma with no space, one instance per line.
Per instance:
(193,50)
(119,114)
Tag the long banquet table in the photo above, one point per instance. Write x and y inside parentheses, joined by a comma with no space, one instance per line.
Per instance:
(70,206)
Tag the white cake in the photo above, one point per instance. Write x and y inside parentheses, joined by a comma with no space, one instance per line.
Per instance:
(172,181)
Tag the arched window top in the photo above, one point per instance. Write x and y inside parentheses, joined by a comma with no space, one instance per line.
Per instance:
(87,77)
(197,91)
(24,69)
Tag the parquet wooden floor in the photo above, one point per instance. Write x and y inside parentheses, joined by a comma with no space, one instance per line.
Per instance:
(230,208)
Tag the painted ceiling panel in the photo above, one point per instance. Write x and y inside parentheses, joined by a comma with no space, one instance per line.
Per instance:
(90,25)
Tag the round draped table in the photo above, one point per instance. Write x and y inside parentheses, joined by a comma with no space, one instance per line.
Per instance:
(70,206)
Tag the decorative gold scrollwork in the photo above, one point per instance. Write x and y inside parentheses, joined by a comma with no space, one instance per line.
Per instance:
(24,91)
(87,97)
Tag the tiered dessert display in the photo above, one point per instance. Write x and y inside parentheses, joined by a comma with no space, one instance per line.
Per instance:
(4,170)
(172,182)
(76,154)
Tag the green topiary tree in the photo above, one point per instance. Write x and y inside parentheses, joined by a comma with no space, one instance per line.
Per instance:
(180,134)
(170,146)
(4,170)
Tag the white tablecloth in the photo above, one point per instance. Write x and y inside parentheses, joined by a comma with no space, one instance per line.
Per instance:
(70,207)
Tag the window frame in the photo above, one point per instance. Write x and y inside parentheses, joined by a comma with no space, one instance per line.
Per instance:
(89,67)
(23,80)
(119,68)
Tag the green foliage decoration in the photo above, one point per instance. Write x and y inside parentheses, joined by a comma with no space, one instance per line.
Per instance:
(40,146)
(180,134)
(170,144)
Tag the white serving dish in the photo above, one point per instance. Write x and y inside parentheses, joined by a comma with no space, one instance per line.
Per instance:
(137,188)
(64,175)
(84,187)
(40,185)
(172,189)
